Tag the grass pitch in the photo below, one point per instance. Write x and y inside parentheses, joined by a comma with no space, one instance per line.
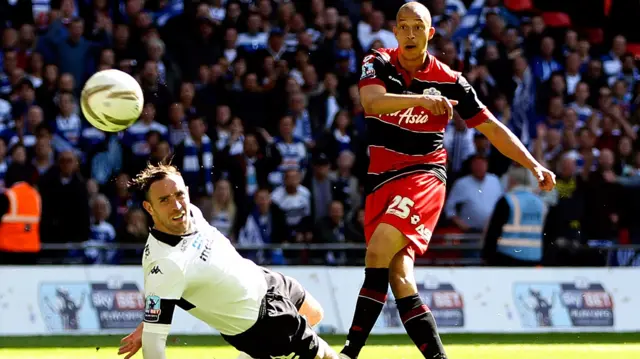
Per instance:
(459,346)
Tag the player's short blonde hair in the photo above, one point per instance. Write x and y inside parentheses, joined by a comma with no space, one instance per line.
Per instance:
(152,173)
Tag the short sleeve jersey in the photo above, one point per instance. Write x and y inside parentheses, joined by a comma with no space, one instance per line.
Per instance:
(203,274)
(411,140)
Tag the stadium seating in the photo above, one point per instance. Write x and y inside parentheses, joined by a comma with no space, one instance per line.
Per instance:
(246,70)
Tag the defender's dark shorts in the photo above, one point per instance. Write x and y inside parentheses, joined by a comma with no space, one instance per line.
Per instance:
(280,330)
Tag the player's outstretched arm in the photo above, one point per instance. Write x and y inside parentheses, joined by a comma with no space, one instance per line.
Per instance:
(132,343)
(153,345)
(163,285)
(509,145)
(376,100)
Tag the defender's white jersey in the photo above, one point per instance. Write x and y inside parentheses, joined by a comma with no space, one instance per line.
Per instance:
(203,274)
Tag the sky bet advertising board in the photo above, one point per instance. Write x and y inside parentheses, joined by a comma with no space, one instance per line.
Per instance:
(580,304)
(82,307)
(443,299)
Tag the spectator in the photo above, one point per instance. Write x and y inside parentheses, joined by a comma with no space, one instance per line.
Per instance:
(514,236)
(65,202)
(224,209)
(332,229)
(572,74)
(355,227)
(178,127)
(3,164)
(340,137)
(135,138)
(545,65)
(264,224)
(458,141)
(101,233)
(602,206)
(373,30)
(134,230)
(251,74)
(194,157)
(324,106)
(20,212)
(612,61)
(295,201)
(320,186)
(580,104)
(44,155)
(68,49)
(121,200)
(473,197)
(68,125)
(291,150)
(302,126)
(563,224)
(346,187)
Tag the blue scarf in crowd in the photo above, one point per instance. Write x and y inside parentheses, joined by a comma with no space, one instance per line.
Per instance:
(191,165)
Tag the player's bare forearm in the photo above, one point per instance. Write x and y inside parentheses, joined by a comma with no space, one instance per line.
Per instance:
(507,143)
(376,100)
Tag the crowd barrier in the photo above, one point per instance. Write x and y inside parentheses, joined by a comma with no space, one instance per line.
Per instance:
(90,300)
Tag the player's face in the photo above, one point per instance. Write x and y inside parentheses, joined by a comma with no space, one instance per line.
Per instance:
(168,205)
(413,32)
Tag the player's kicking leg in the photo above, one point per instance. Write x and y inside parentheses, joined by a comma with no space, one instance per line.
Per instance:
(416,202)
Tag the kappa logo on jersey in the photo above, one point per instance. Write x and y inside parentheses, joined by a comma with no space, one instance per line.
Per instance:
(431,91)
(152,309)
(147,250)
(156,270)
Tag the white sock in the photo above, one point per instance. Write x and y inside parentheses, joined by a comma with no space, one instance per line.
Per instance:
(243,355)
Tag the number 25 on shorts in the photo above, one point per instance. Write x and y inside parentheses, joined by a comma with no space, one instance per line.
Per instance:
(400,206)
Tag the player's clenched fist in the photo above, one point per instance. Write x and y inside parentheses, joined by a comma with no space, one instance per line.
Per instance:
(439,105)
(546,178)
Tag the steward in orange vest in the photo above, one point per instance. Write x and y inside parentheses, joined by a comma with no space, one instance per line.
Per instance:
(20,211)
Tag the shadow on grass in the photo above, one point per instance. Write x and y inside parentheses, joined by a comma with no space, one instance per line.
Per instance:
(338,340)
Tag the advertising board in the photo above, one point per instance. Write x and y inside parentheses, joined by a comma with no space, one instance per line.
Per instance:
(109,299)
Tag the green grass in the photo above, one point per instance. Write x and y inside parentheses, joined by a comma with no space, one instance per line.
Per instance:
(459,346)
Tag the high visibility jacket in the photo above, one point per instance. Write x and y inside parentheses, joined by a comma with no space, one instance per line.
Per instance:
(522,234)
(20,226)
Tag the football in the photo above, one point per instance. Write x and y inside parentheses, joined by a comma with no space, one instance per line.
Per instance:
(111,100)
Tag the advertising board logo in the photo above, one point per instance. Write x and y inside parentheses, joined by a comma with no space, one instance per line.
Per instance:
(579,304)
(445,302)
(152,309)
(83,306)
(66,307)
(119,307)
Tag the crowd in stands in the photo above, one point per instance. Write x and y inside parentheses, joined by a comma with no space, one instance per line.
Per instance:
(256,102)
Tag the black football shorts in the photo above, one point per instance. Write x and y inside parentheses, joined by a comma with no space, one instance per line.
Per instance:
(280,332)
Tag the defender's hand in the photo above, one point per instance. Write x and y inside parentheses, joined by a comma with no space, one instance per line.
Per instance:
(546,179)
(439,105)
(131,343)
